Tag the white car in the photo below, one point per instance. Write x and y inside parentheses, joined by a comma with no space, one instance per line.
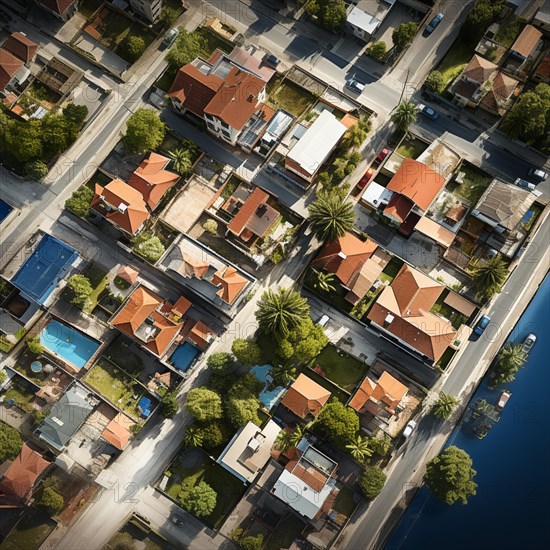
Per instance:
(411,425)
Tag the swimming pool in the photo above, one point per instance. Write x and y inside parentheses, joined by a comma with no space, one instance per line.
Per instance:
(5,210)
(184,356)
(68,343)
(269,398)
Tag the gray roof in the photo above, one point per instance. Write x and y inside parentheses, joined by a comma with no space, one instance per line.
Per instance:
(506,204)
(66,417)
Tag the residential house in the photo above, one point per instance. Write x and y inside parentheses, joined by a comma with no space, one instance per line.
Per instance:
(542,18)
(379,398)
(60,77)
(16,54)
(223,93)
(307,484)
(122,205)
(150,320)
(20,477)
(525,43)
(61,9)
(66,416)
(542,70)
(502,208)
(314,146)
(253,217)
(149,9)
(249,450)
(305,398)
(402,311)
(199,334)
(356,263)
(366,16)
(117,433)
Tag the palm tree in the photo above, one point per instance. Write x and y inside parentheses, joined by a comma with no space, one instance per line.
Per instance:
(324,281)
(489,276)
(357,134)
(288,439)
(360,449)
(181,161)
(445,405)
(192,437)
(280,312)
(512,355)
(404,115)
(283,374)
(331,216)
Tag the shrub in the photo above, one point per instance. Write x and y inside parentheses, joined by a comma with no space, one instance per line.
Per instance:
(434,82)
(371,482)
(144,131)
(80,290)
(34,345)
(79,202)
(10,442)
(204,404)
(51,501)
(134,46)
(148,246)
(169,405)
(200,500)
(210,226)
(36,169)
(221,362)
(377,50)
(403,35)
(252,543)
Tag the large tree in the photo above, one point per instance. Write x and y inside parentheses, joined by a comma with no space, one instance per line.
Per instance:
(201,499)
(10,442)
(450,476)
(445,405)
(508,362)
(188,46)
(356,135)
(435,82)
(241,404)
(483,13)
(169,405)
(360,448)
(338,423)
(79,202)
(221,362)
(281,311)
(80,290)
(248,353)
(404,115)
(181,160)
(488,276)
(51,501)
(331,216)
(305,341)
(372,482)
(289,438)
(204,405)
(144,131)
(403,35)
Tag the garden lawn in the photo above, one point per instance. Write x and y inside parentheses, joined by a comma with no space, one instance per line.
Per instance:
(335,391)
(21,396)
(345,503)
(508,31)
(213,42)
(30,532)
(455,60)
(391,270)
(411,148)
(98,279)
(284,534)
(291,97)
(344,370)
(120,355)
(475,183)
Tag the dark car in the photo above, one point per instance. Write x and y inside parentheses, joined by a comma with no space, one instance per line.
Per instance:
(482,324)
(433,23)
(355,86)
(178,521)
(428,112)
(538,174)
(271,60)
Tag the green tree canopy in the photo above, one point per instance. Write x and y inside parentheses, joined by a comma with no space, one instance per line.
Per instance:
(203,404)
(144,131)
(201,499)
(75,114)
(445,405)
(286,439)
(10,442)
(508,362)
(360,448)
(80,290)
(435,82)
(331,216)
(169,405)
(377,50)
(193,437)
(221,362)
(483,13)
(305,341)
(252,542)
(281,311)
(133,47)
(148,246)
(36,169)
(355,137)
(403,35)
(241,405)
(188,46)
(404,115)
(51,501)
(450,476)
(181,160)
(34,344)
(79,202)
(372,482)
(488,276)
(339,423)
(248,353)
(213,434)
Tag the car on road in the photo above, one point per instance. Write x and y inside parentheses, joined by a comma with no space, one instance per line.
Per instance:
(524,184)
(271,61)
(170,37)
(431,26)
(538,174)
(383,154)
(428,112)
(355,86)
(366,178)
(482,324)
(176,520)
(411,425)
(324,320)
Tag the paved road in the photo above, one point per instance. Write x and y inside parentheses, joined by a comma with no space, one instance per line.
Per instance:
(369,529)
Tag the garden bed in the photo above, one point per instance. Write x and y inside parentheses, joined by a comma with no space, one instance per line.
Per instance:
(30,532)
(474,185)
(411,147)
(284,94)
(455,60)
(343,369)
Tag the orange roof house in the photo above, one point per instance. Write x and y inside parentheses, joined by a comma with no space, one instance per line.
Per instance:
(231,283)
(305,397)
(121,204)
(403,309)
(416,182)
(150,320)
(117,432)
(152,180)
(22,474)
(386,393)
(20,46)
(201,335)
(525,43)
(9,65)
(356,263)
(128,274)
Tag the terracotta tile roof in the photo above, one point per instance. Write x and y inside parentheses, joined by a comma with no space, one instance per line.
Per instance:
(407,302)
(237,98)
(22,473)
(399,207)
(118,193)
(58,6)
(305,397)
(417,182)
(149,320)
(527,40)
(363,279)
(152,180)
(193,267)
(479,69)
(345,256)
(117,432)
(180,308)
(247,211)
(464,88)
(310,476)
(456,212)
(194,89)
(9,65)
(127,273)
(543,69)
(503,87)
(232,283)
(387,390)
(201,335)
(20,46)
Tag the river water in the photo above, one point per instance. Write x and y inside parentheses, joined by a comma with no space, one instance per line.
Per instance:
(512,507)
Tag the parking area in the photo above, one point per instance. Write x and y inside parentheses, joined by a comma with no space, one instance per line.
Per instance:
(398,14)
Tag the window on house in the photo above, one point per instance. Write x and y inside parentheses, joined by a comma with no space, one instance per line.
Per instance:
(211,127)
(225,125)
(208,117)
(226,134)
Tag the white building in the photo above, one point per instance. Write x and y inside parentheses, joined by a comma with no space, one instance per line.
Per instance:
(149,9)
(365,17)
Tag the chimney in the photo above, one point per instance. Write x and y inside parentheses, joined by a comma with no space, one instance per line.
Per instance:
(250,98)
(388,320)
(342,255)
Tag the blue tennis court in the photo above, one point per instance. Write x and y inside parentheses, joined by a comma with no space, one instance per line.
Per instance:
(44,268)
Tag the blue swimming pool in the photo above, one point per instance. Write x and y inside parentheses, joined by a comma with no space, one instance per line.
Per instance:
(184,356)
(68,343)
(5,210)
(269,398)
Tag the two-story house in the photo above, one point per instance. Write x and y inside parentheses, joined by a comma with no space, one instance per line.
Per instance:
(15,55)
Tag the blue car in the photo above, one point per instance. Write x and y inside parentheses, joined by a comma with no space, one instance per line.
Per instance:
(428,112)
(482,324)
(433,23)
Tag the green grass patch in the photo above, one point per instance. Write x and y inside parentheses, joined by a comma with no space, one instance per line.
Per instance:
(166,78)
(411,148)
(20,395)
(284,534)
(5,345)
(343,369)
(290,97)
(214,41)
(455,60)
(391,270)
(30,532)
(445,359)
(475,183)
(345,502)
(508,31)
(98,279)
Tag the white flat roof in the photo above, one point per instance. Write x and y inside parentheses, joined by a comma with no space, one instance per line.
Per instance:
(317,142)
(375,194)
(363,20)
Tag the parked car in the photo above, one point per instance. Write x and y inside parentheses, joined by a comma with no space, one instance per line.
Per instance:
(366,178)
(433,23)
(383,154)
(355,86)
(428,112)
(411,425)
(176,520)
(324,320)
(524,184)
(271,60)
(538,174)
(482,324)
(170,37)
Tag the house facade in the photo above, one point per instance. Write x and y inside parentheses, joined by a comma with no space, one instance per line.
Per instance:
(61,9)
(148,9)
(16,53)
